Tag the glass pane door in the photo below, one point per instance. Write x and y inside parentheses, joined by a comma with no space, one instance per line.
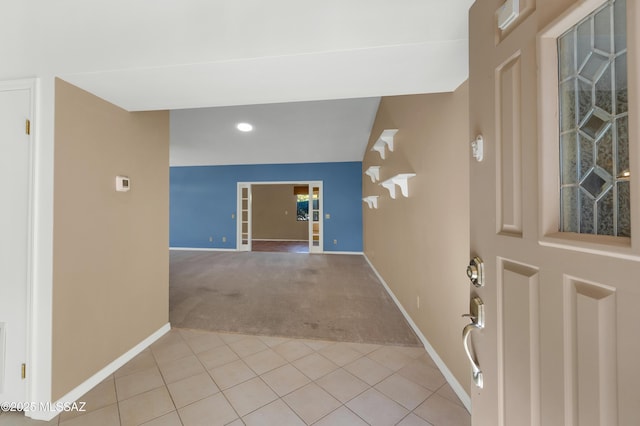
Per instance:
(244,217)
(315,216)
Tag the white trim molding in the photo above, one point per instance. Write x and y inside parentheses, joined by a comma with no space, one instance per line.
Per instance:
(201,249)
(94,380)
(448,375)
(344,252)
(280,240)
(224,249)
(33,314)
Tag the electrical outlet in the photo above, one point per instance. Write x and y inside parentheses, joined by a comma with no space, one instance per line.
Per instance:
(418,301)
(224,239)
(335,242)
(327,216)
(233,215)
(210,239)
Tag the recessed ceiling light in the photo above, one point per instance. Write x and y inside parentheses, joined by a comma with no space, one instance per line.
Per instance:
(244,127)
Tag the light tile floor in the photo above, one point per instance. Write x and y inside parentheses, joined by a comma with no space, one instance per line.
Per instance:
(190,378)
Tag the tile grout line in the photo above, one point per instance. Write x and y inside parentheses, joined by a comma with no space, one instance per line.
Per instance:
(405,359)
(221,391)
(165,384)
(208,373)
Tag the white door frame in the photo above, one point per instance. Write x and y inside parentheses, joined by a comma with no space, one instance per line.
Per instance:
(240,245)
(320,247)
(241,185)
(29,85)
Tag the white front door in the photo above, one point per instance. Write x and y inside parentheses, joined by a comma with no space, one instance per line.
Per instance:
(15,175)
(561,340)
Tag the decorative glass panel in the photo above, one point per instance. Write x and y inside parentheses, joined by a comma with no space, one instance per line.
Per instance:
(569,199)
(620,26)
(621,83)
(568,112)
(594,136)
(624,215)
(569,148)
(603,91)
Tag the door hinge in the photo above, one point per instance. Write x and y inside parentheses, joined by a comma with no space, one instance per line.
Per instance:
(24,371)
(27,127)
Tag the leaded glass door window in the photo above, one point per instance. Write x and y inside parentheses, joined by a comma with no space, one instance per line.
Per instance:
(594,137)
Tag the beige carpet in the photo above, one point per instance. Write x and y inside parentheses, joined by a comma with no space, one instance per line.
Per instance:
(333,297)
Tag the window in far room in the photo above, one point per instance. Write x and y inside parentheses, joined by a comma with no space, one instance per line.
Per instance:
(302,202)
(302,207)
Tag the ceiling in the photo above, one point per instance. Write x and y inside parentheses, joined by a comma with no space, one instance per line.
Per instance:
(295,132)
(168,54)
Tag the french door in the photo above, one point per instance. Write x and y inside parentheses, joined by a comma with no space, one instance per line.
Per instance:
(316,223)
(244,217)
(315,218)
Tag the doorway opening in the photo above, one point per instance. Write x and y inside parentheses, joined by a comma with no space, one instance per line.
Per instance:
(280,217)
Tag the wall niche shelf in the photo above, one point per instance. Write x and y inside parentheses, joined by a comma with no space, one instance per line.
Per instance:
(374,173)
(372,201)
(385,140)
(399,180)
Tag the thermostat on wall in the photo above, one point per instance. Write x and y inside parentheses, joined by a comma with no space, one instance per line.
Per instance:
(123,184)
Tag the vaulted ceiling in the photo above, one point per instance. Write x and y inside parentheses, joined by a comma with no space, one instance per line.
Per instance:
(292,132)
(169,54)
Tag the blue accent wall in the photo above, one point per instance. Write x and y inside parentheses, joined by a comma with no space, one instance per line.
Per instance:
(203,199)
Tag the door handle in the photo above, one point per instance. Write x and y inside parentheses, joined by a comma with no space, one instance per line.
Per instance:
(475,368)
(477,323)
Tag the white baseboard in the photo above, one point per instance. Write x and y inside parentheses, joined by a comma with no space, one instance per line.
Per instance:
(279,240)
(223,249)
(343,252)
(94,380)
(448,375)
(201,249)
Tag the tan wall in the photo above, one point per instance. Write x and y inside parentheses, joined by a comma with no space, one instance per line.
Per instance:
(274,214)
(420,244)
(110,263)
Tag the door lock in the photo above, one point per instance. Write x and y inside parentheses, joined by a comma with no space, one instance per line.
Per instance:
(475,272)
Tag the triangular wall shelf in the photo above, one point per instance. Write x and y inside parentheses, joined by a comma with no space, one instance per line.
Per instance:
(372,201)
(385,139)
(400,180)
(374,173)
